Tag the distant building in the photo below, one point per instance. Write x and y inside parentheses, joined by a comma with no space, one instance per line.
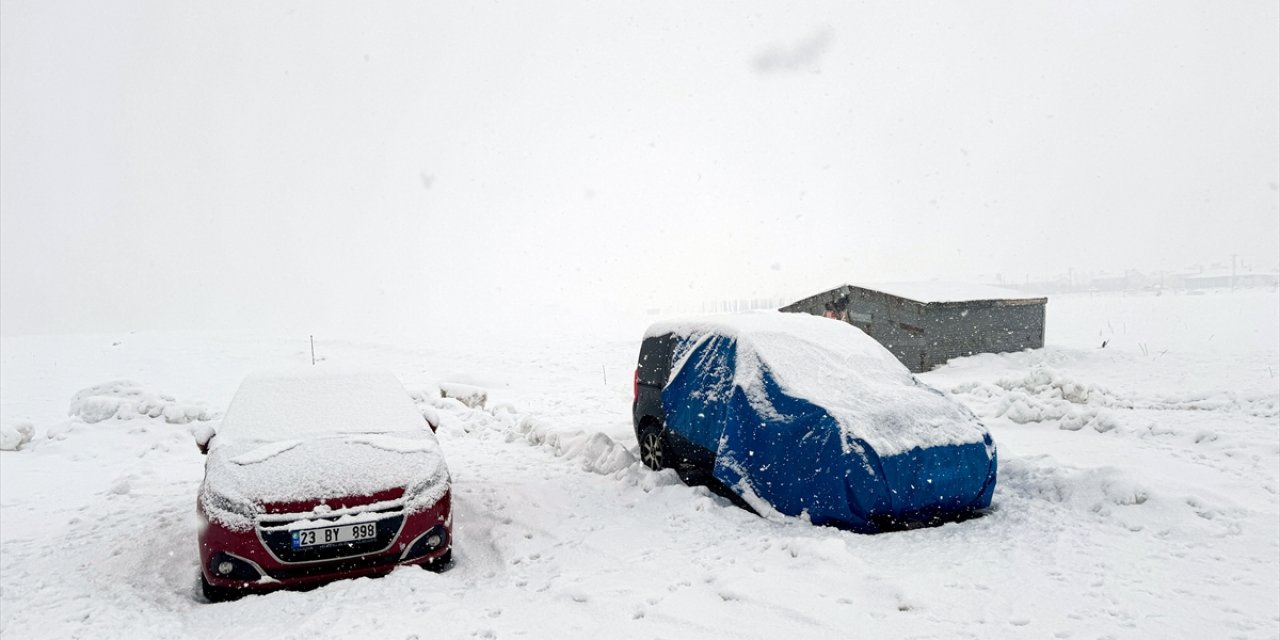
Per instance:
(1128,281)
(1225,279)
(926,324)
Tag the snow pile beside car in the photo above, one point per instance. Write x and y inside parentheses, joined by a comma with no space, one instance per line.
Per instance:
(472,396)
(1043,394)
(126,400)
(13,436)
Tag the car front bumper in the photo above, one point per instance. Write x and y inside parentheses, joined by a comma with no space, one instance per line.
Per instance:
(243,560)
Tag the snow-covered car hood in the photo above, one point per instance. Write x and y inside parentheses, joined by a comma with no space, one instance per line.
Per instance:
(241,477)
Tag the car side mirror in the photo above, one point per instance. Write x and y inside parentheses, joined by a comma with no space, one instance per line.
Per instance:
(204,436)
(433,419)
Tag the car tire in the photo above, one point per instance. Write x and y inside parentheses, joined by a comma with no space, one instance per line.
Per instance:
(653,447)
(218,594)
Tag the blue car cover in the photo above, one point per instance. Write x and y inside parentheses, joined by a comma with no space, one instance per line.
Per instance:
(784,452)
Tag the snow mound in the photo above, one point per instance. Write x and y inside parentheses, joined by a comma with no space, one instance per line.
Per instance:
(1117,497)
(473,397)
(598,452)
(423,400)
(13,436)
(1044,394)
(1096,490)
(592,451)
(127,400)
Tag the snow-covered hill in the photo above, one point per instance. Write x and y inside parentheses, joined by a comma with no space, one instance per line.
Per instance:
(1139,495)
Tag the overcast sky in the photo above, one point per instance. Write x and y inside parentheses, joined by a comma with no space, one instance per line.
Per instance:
(294,165)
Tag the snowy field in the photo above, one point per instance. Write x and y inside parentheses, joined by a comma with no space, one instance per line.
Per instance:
(1138,496)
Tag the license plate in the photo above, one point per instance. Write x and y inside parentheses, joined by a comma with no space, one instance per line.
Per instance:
(334,535)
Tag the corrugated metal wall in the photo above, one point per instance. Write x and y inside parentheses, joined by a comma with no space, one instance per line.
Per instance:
(923,336)
(983,327)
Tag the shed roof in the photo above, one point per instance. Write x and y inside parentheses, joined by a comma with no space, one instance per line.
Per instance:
(941,292)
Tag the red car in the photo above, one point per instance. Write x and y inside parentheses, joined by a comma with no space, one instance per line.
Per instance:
(316,475)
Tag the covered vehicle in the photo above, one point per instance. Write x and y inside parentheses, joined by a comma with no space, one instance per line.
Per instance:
(315,475)
(808,417)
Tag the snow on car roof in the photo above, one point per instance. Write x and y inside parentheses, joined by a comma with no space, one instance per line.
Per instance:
(930,292)
(284,404)
(761,326)
(837,367)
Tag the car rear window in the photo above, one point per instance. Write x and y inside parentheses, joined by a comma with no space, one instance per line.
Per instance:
(655,360)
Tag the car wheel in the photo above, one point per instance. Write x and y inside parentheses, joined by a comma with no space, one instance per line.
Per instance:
(217,594)
(653,450)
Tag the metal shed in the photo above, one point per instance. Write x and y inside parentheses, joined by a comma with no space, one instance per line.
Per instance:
(926,324)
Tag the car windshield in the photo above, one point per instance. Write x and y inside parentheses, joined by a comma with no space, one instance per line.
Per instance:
(309,402)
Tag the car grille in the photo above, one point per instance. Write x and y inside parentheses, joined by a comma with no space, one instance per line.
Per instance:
(276,532)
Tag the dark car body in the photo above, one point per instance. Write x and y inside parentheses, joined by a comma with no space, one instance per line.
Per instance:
(278,512)
(262,559)
(653,368)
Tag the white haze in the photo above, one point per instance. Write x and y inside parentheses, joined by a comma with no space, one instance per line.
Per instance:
(304,166)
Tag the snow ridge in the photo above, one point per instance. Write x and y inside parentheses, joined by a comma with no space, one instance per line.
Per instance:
(127,400)
(1044,394)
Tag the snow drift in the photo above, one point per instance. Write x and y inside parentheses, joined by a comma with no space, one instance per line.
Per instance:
(127,400)
(13,436)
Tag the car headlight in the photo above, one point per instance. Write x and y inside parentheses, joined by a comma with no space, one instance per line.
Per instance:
(216,504)
(426,493)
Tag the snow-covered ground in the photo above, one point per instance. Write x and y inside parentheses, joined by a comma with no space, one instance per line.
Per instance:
(1139,495)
